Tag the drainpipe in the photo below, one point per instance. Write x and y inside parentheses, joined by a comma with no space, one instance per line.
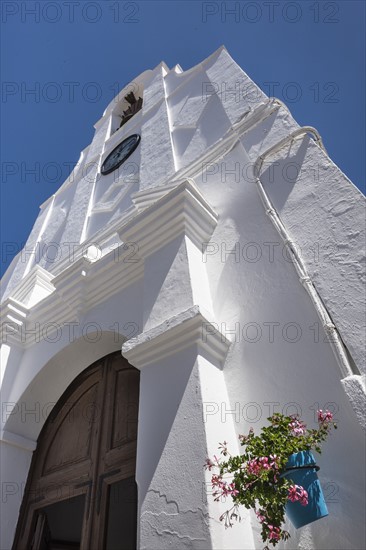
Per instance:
(329,327)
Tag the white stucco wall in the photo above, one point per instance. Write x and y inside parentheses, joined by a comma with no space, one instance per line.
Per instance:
(183,246)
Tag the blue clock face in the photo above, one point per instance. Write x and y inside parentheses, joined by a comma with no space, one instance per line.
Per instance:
(120,154)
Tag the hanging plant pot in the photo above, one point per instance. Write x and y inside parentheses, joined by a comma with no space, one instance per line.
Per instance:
(301,469)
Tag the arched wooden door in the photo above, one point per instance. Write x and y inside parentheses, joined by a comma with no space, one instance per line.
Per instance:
(81,491)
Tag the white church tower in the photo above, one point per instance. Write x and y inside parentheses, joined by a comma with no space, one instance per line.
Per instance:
(199,270)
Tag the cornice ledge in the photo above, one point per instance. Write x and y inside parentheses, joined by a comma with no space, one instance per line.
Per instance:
(181,210)
(31,291)
(13,305)
(12,318)
(72,275)
(34,287)
(87,282)
(147,197)
(189,328)
(70,283)
(83,285)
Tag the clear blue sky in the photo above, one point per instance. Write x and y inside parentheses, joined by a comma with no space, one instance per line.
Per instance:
(75,55)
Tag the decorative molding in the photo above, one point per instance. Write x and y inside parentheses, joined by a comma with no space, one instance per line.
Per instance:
(13,317)
(80,287)
(191,327)
(85,283)
(147,197)
(34,287)
(70,284)
(181,210)
(111,274)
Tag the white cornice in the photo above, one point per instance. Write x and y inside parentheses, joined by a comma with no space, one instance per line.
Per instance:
(187,329)
(70,284)
(182,210)
(13,316)
(34,287)
(76,290)
(111,274)
(145,198)
(84,283)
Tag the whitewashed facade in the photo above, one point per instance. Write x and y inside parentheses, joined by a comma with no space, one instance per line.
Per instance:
(225,261)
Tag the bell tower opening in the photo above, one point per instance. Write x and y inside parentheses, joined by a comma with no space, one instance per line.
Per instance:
(127,107)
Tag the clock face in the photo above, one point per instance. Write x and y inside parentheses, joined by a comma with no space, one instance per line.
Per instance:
(120,154)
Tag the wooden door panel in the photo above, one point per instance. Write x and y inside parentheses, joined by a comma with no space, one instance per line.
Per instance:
(72,441)
(48,490)
(121,523)
(106,481)
(64,414)
(87,444)
(124,408)
(120,423)
(120,426)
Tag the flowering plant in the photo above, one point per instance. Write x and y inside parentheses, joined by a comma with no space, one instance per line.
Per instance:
(255,478)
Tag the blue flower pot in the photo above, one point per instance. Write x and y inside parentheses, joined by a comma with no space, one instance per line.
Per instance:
(301,469)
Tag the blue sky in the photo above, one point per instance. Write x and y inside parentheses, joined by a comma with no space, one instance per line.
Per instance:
(63,61)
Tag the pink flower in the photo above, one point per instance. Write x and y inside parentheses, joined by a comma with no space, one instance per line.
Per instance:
(223,447)
(209,464)
(297,427)
(292,493)
(325,416)
(298,493)
(254,467)
(224,489)
(263,461)
(261,517)
(216,480)
(233,490)
(304,499)
(274,459)
(257,465)
(275,533)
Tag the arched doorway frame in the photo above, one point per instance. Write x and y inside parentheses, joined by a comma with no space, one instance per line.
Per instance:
(47,382)
(73,352)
